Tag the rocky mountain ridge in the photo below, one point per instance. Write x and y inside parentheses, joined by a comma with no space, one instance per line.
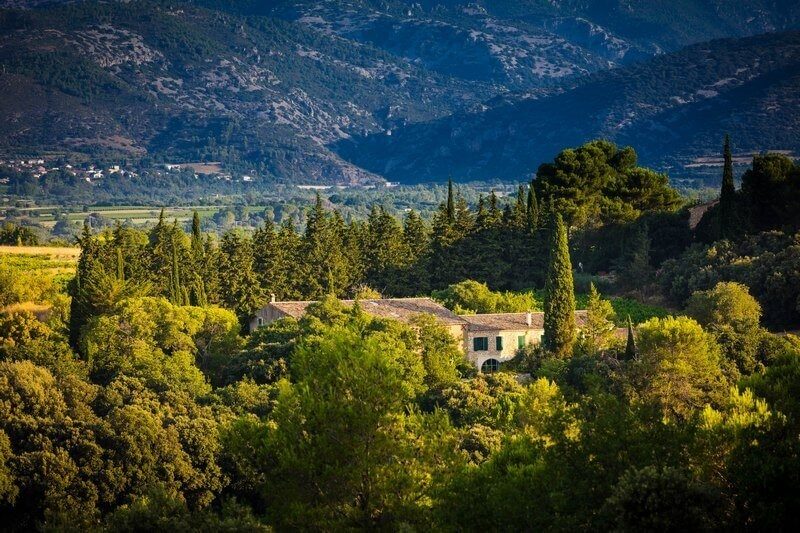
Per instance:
(282,89)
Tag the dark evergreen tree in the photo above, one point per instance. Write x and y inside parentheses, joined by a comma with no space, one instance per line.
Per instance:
(559,298)
(532,210)
(269,260)
(634,269)
(728,225)
(385,253)
(197,271)
(197,236)
(451,206)
(339,267)
(443,237)
(131,244)
(417,241)
(495,215)
(163,239)
(290,270)
(519,212)
(326,264)
(80,307)
(239,287)
(120,265)
(481,217)
(630,346)
(178,294)
(771,193)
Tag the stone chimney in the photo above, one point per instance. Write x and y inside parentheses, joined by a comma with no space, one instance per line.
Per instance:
(529,318)
(272,298)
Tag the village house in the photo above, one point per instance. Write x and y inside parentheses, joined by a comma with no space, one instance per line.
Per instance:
(400,309)
(486,339)
(494,338)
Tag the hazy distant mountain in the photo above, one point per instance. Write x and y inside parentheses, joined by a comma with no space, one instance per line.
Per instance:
(272,86)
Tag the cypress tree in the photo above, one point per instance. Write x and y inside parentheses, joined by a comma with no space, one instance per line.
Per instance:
(727,196)
(519,214)
(451,206)
(464,221)
(268,259)
(630,347)
(239,287)
(415,234)
(323,253)
(198,296)
(417,241)
(481,217)
(197,237)
(290,275)
(196,280)
(385,253)
(532,210)
(175,289)
(163,238)
(495,214)
(317,244)
(559,297)
(120,265)
(80,308)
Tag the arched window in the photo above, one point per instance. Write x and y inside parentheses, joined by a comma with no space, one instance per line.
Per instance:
(490,365)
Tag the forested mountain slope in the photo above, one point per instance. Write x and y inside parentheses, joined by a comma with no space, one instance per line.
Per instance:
(673,108)
(269,87)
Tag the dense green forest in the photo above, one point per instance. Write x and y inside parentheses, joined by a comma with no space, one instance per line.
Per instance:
(132,398)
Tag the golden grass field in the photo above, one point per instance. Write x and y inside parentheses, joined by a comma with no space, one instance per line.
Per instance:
(49,261)
(65,253)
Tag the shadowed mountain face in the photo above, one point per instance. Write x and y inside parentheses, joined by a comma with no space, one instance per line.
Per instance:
(352,92)
(672,108)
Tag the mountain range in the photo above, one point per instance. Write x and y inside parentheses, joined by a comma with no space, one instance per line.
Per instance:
(358,91)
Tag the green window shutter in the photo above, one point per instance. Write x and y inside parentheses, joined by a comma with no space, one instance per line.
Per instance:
(521,341)
(499,343)
(480,344)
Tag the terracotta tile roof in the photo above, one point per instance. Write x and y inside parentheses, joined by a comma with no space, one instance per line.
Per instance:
(402,309)
(512,321)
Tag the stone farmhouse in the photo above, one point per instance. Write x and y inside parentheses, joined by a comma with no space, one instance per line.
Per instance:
(487,339)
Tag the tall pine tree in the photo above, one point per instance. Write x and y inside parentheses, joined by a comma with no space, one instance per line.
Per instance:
(559,297)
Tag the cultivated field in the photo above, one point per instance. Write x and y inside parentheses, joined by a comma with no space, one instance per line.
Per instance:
(64,253)
(137,215)
(57,263)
